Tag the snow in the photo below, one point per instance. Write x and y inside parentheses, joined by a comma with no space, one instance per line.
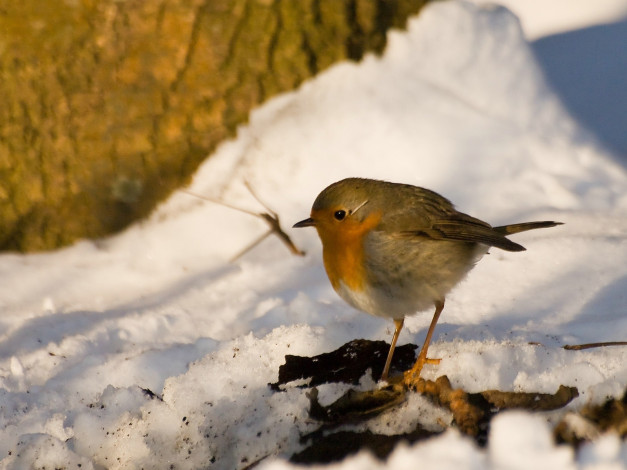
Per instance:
(541,18)
(151,349)
(580,46)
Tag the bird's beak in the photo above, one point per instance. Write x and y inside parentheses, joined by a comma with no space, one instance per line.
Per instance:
(305,223)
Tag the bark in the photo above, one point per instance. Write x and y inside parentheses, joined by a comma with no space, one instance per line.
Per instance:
(109,105)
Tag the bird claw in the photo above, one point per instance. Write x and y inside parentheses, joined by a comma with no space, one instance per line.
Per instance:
(413,375)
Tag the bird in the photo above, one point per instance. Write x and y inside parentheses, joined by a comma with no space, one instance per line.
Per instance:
(394,249)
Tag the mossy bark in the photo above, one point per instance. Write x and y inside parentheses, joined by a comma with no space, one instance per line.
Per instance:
(108,105)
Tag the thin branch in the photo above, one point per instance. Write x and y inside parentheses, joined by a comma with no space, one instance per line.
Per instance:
(250,189)
(251,246)
(275,227)
(270,217)
(220,202)
(578,347)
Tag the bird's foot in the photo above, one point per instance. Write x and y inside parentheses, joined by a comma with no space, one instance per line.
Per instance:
(413,375)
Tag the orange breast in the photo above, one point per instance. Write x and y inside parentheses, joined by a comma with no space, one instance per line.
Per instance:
(343,251)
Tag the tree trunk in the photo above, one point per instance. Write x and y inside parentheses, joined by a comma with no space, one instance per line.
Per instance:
(108,106)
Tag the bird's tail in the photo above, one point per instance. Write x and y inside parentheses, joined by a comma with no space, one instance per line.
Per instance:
(506,230)
(523,227)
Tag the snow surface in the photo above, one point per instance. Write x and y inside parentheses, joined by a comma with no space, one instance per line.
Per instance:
(580,46)
(540,18)
(457,104)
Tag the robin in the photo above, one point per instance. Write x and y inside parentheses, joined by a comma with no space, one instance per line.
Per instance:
(393,249)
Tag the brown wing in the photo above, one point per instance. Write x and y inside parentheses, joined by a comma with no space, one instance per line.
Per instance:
(433,216)
(465,232)
(419,212)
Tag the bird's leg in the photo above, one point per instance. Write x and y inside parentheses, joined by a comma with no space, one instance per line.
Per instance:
(398,326)
(412,375)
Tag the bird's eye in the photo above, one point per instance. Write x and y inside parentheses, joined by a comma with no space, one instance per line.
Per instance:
(339,215)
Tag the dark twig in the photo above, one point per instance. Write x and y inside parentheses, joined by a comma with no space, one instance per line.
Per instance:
(577,347)
(270,217)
